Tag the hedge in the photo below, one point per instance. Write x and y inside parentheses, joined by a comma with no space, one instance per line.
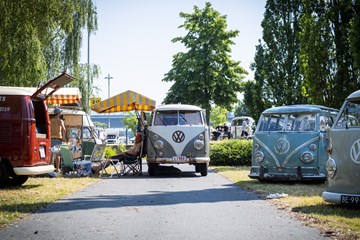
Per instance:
(233,152)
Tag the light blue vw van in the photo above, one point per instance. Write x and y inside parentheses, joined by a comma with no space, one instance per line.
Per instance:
(343,165)
(290,143)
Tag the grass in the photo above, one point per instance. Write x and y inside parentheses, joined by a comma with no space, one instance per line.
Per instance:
(17,202)
(304,202)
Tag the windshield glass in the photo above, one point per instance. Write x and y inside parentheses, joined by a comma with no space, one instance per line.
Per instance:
(295,122)
(173,117)
(301,122)
(271,123)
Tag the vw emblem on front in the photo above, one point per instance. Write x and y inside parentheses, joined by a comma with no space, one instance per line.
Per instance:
(355,152)
(282,146)
(178,136)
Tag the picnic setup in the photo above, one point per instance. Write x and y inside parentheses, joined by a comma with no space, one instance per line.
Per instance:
(125,164)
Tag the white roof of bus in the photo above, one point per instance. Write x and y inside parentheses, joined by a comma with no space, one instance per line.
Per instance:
(5,90)
(169,107)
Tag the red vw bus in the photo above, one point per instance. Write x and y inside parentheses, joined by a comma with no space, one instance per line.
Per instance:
(25,131)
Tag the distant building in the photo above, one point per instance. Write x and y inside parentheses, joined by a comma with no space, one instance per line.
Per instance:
(116,120)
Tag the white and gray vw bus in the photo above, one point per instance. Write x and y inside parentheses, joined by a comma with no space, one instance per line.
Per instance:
(290,143)
(178,134)
(343,165)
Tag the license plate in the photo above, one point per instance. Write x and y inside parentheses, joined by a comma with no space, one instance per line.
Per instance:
(349,199)
(42,152)
(179,158)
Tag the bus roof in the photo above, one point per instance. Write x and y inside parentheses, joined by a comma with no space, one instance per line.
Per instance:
(177,107)
(355,96)
(298,109)
(17,91)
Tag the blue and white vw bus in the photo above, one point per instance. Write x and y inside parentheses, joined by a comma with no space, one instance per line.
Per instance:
(290,143)
(178,134)
(343,165)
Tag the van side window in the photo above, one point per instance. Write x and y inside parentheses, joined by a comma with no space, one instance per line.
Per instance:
(350,117)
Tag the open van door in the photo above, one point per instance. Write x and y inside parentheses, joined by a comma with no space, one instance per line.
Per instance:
(52,86)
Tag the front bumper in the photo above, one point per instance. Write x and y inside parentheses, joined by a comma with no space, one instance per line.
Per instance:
(294,174)
(172,161)
(336,197)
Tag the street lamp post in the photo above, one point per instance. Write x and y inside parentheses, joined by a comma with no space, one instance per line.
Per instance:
(108,78)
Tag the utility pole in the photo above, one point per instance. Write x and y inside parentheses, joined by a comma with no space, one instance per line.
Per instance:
(108,78)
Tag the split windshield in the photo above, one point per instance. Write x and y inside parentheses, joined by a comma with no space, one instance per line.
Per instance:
(181,117)
(288,122)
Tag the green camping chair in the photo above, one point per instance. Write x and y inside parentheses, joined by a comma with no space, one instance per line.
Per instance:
(72,167)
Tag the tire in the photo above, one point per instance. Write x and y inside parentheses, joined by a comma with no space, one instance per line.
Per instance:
(152,167)
(18,180)
(4,174)
(204,169)
(197,168)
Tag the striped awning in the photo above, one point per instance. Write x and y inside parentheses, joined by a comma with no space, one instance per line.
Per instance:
(65,96)
(123,102)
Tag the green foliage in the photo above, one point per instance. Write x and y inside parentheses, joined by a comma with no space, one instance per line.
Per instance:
(39,39)
(114,150)
(309,53)
(218,116)
(205,74)
(241,109)
(233,152)
(130,121)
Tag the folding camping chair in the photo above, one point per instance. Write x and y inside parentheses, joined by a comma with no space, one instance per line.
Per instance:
(98,158)
(72,167)
(132,164)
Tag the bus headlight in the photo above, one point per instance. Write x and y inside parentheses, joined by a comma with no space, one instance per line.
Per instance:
(306,157)
(259,157)
(158,144)
(155,137)
(201,136)
(331,167)
(198,144)
(312,147)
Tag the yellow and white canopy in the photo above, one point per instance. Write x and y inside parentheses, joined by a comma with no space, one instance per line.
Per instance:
(65,96)
(123,102)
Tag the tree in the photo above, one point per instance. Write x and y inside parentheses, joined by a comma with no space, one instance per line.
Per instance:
(130,121)
(39,39)
(317,53)
(278,69)
(205,75)
(218,116)
(241,109)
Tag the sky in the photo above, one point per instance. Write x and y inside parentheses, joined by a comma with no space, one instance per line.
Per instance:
(133,42)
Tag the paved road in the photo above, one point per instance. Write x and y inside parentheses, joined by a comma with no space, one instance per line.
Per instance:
(174,206)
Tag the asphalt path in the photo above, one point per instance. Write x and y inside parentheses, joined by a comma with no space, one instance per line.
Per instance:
(175,205)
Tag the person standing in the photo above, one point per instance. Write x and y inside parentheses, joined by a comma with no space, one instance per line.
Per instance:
(245,128)
(58,132)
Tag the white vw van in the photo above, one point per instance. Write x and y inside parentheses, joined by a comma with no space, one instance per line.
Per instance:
(343,165)
(178,134)
(236,127)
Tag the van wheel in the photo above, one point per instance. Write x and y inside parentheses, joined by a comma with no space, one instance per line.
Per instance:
(4,175)
(18,180)
(152,167)
(204,169)
(197,168)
